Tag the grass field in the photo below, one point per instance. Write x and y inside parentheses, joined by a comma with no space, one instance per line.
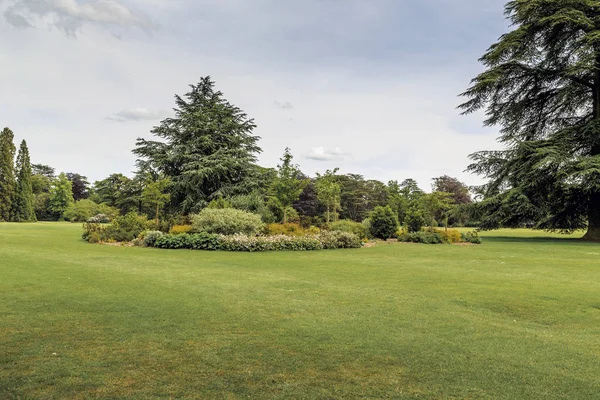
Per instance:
(515,318)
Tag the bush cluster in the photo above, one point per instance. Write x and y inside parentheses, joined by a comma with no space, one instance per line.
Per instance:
(439,236)
(470,237)
(244,243)
(123,229)
(227,221)
(359,229)
(196,241)
(384,223)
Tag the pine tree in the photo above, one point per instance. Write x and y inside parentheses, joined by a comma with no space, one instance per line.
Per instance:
(7,174)
(24,210)
(207,150)
(542,87)
(61,196)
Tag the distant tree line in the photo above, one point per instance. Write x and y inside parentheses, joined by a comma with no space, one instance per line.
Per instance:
(206,156)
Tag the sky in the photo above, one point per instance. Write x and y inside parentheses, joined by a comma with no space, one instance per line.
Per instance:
(369,86)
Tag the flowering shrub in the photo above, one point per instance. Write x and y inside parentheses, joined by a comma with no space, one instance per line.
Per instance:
(339,240)
(99,219)
(269,243)
(227,221)
(206,241)
(150,238)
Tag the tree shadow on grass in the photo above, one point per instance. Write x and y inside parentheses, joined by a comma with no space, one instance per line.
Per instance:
(536,239)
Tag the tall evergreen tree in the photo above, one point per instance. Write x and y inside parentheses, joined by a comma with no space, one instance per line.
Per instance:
(207,150)
(23,206)
(8,182)
(542,87)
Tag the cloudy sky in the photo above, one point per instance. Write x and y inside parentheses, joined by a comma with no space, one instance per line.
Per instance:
(369,86)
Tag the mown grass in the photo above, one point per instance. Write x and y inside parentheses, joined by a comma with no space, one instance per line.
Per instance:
(514,318)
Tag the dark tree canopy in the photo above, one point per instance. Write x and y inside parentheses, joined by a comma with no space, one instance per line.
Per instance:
(542,87)
(458,190)
(81,186)
(207,150)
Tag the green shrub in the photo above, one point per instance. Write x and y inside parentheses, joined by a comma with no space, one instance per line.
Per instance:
(123,229)
(269,243)
(422,237)
(83,210)
(94,232)
(384,223)
(255,204)
(151,237)
(470,237)
(227,221)
(349,226)
(414,220)
(196,241)
(339,240)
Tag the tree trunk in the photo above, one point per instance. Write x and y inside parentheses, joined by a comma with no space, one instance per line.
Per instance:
(593,232)
(285,215)
(327,214)
(157,214)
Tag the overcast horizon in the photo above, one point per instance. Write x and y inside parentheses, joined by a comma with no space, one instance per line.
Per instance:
(369,87)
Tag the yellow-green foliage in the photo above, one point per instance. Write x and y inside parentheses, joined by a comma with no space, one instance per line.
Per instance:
(179,229)
(289,229)
(451,235)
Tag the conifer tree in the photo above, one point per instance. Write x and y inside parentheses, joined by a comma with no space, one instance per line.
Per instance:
(23,206)
(7,174)
(542,87)
(207,149)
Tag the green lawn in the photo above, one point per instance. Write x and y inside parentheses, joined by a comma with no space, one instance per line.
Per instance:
(514,318)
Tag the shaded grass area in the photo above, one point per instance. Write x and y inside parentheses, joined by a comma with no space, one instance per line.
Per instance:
(504,320)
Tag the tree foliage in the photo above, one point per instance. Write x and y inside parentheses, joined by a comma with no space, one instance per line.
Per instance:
(24,205)
(207,150)
(80,184)
(289,183)
(8,183)
(61,196)
(542,87)
(328,193)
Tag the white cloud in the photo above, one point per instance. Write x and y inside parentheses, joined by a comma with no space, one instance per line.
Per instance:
(395,117)
(137,114)
(323,154)
(285,105)
(71,15)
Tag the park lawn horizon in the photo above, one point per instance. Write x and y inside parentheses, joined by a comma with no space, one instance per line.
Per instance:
(516,317)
